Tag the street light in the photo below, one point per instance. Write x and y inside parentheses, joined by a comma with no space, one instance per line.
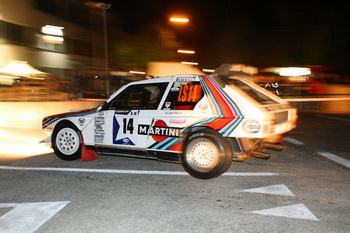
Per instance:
(183,20)
(104,7)
(186,51)
(179,20)
(190,63)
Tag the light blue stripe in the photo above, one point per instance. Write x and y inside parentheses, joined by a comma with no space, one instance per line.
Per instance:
(228,130)
(171,143)
(210,95)
(161,143)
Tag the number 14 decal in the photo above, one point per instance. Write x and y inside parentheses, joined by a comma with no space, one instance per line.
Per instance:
(128,125)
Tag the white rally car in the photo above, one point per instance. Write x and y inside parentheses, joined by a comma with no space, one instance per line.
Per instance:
(203,122)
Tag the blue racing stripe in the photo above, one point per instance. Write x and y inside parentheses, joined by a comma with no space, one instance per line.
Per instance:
(160,144)
(172,142)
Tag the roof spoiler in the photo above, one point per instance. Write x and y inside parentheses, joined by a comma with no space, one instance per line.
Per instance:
(241,70)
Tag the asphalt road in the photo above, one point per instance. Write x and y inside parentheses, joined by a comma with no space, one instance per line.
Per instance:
(322,133)
(296,190)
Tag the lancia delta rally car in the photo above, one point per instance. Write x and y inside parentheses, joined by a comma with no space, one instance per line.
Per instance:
(203,122)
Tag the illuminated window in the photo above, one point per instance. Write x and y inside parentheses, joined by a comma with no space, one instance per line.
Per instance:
(183,96)
(51,38)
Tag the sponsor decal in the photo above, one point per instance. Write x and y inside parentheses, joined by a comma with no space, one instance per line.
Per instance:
(203,108)
(127,112)
(173,113)
(81,121)
(177,84)
(177,121)
(159,131)
(251,126)
(99,128)
(186,79)
(123,129)
(167,106)
(124,141)
(122,112)
(196,135)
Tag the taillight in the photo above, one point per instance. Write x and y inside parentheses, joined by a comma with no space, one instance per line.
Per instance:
(295,120)
(269,126)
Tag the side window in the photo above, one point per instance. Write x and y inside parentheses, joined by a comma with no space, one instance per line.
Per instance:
(139,97)
(183,96)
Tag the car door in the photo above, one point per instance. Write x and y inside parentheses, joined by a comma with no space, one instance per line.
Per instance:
(126,118)
(183,106)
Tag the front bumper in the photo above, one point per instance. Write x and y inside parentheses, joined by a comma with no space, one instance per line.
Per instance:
(46,142)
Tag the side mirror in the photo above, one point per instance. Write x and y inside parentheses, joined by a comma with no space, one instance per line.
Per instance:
(103,106)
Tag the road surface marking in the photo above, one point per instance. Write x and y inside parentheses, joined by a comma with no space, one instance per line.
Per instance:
(298,211)
(279,189)
(294,141)
(331,117)
(335,158)
(138,172)
(252,174)
(28,217)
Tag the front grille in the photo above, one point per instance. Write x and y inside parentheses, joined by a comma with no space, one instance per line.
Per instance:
(281,117)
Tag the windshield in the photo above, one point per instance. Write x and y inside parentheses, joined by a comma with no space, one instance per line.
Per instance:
(250,90)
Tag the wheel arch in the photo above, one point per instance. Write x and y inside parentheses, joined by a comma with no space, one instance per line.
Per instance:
(66,121)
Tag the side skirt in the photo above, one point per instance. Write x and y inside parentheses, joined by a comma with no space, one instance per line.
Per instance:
(144,154)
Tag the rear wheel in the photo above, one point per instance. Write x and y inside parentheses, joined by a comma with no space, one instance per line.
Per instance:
(66,141)
(206,154)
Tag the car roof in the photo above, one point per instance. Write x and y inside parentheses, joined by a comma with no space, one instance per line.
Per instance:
(163,79)
(152,80)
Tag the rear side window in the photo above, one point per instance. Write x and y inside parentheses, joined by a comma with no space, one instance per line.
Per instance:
(183,96)
(251,91)
(139,97)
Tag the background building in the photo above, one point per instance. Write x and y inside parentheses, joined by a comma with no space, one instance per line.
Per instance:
(63,38)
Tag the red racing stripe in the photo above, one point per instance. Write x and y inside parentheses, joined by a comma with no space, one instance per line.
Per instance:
(223,105)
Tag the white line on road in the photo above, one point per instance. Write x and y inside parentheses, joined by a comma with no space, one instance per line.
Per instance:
(331,117)
(279,189)
(28,217)
(252,174)
(294,141)
(298,211)
(138,172)
(335,158)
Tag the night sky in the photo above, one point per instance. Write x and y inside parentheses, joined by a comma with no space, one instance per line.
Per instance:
(260,33)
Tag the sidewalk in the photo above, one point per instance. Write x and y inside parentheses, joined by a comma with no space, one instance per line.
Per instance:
(19,142)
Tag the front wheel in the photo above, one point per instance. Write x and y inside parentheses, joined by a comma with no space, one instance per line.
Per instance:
(66,141)
(206,154)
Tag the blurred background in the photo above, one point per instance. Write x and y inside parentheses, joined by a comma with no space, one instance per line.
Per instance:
(66,50)
(62,55)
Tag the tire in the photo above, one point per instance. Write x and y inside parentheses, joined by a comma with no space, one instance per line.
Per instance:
(206,154)
(66,141)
